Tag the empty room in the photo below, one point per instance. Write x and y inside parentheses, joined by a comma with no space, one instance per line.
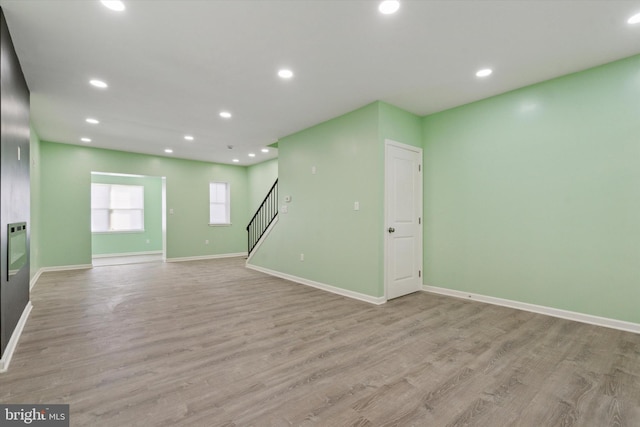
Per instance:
(320,213)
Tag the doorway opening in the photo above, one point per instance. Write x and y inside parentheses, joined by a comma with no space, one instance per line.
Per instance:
(128,218)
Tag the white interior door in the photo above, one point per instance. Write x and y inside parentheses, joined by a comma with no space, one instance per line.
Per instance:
(403,233)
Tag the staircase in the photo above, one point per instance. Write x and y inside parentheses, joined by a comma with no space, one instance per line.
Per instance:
(263,217)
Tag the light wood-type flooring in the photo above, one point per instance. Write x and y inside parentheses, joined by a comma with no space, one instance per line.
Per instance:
(211,343)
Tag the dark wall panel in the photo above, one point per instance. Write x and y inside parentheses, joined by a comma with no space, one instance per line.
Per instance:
(14,180)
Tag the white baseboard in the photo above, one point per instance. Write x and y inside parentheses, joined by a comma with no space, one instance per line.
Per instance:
(549,311)
(264,236)
(34,279)
(127,254)
(15,337)
(200,258)
(66,268)
(321,286)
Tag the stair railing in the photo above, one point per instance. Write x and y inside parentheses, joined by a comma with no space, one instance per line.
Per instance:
(263,217)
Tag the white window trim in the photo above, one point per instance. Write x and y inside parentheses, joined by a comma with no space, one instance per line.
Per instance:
(227,205)
(110,209)
(119,232)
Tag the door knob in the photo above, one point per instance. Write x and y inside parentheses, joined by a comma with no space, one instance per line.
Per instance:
(391,229)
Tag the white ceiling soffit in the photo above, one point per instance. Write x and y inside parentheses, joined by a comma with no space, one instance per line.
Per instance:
(173,66)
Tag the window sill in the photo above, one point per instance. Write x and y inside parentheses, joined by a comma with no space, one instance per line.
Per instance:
(226,224)
(119,232)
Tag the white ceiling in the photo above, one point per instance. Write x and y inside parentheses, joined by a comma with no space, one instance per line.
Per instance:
(172,66)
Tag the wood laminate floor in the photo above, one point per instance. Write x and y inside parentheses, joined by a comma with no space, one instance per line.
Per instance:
(210,343)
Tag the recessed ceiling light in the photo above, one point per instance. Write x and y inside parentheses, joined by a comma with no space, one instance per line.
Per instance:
(98,83)
(92,121)
(252,154)
(265,150)
(285,73)
(116,5)
(168,150)
(188,137)
(484,72)
(388,7)
(85,139)
(225,114)
(635,19)
(235,160)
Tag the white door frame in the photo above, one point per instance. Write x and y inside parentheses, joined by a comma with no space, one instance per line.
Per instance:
(164,206)
(387,143)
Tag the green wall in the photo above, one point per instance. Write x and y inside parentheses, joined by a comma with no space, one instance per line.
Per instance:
(533,195)
(337,242)
(261,178)
(64,203)
(530,196)
(149,240)
(34,227)
(399,125)
(342,247)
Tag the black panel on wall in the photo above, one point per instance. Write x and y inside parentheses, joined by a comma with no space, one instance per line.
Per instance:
(14,181)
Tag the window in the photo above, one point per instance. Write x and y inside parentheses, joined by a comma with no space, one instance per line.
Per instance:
(219,201)
(117,208)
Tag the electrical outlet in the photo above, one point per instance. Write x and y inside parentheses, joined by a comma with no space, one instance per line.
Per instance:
(148,241)
(206,242)
(301,257)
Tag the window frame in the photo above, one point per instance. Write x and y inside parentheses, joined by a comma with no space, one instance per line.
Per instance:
(110,210)
(226,203)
